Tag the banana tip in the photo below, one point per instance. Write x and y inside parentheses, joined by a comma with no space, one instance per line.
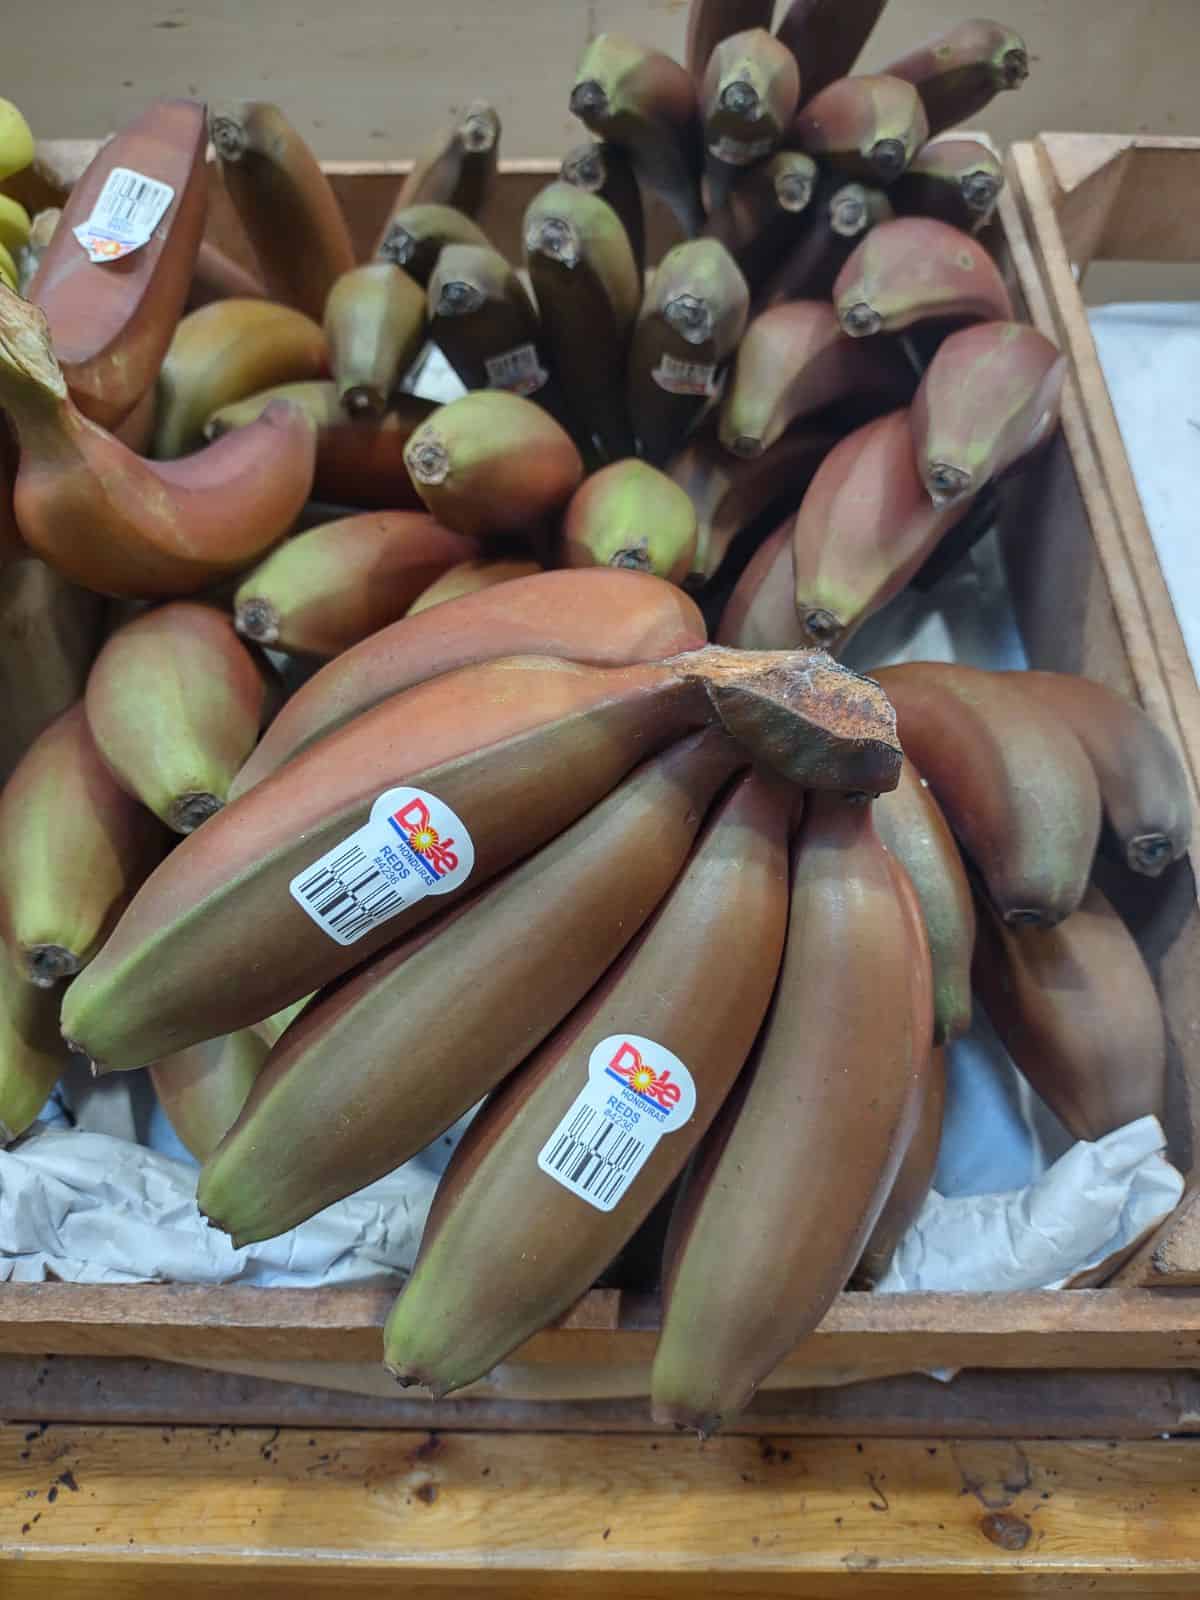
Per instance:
(741,99)
(479,129)
(257,619)
(46,964)
(822,627)
(979,190)
(860,320)
(588,99)
(361,401)
(793,191)
(888,157)
(1150,854)
(554,238)
(397,245)
(1014,68)
(427,459)
(690,316)
(684,1418)
(408,1379)
(1032,917)
(945,483)
(228,136)
(191,809)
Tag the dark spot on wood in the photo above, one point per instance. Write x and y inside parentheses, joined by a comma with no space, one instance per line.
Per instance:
(754,1539)
(169,23)
(67,1479)
(931,1449)
(606,1533)
(859,1448)
(25,1454)
(785,1455)
(24,1527)
(266,1451)
(428,1447)
(52,1493)
(1008,1531)
(881,1502)
(427,1493)
(766,1450)
(486,1472)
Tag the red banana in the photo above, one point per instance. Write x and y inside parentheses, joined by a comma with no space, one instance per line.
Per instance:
(915,268)
(112,320)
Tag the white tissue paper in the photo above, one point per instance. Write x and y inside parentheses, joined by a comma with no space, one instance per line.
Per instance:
(91,1208)
(1092,1203)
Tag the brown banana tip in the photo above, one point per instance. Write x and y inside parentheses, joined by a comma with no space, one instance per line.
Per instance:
(888,157)
(457,299)
(1030,917)
(1150,854)
(1014,69)
(822,627)
(744,445)
(479,129)
(588,99)
(860,320)
(228,137)
(979,190)
(793,191)
(397,245)
(45,964)
(684,1419)
(257,619)
(635,557)
(945,483)
(427,459)
(360,400)
(741,99)
(690,316)
(848,213)
(190,810)
(586,169)
(555,238)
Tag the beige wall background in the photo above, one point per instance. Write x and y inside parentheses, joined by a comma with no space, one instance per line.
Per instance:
(367,79)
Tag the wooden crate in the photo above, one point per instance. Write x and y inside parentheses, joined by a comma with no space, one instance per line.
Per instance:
(1089,599)
(1087,197)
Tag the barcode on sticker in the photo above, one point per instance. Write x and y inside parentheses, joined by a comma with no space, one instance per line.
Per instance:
(685,377)
(518,370)
(595,1158)
(411,845)
(349,894)
(741,152)
(127,210)
(636,1091)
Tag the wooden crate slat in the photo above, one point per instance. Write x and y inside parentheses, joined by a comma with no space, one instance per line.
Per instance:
(111,1390)
(122,1512)
(862,1334)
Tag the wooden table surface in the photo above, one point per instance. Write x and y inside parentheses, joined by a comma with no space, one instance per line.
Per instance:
(808,1502)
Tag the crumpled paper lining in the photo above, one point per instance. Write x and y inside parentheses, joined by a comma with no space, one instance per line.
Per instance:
(1089,1206)
(91,1208)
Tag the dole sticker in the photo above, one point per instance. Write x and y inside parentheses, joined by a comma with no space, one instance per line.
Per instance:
(127,210)
(411,845)
(636,1092)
